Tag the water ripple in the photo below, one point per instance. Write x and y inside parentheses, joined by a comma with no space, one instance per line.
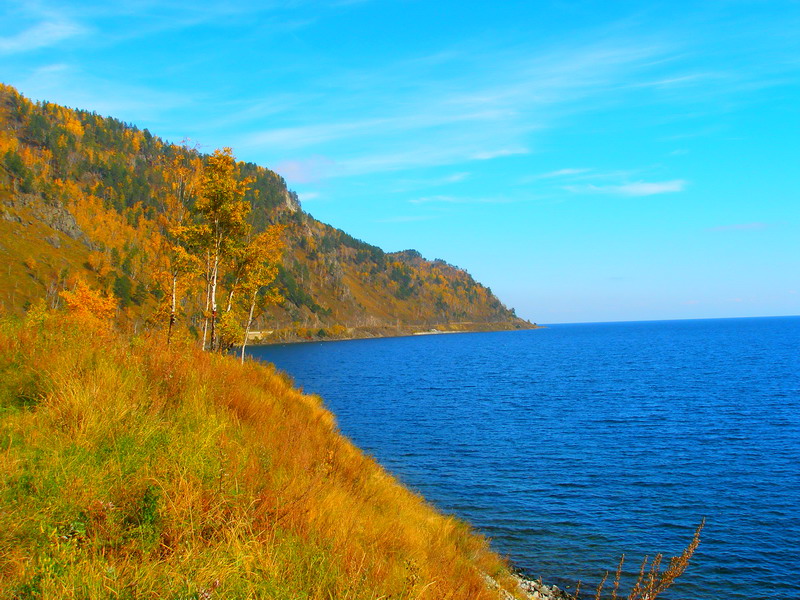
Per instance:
(571,445)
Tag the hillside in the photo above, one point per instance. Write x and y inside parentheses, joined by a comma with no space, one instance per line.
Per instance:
(133,471)
(82,195)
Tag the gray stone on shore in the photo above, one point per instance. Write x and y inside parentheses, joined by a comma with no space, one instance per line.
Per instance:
(534,590)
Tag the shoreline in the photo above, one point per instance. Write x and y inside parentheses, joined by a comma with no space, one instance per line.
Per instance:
(289,336)
(533,589)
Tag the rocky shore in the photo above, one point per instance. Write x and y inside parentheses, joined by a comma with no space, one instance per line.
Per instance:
(534,590)
(539,591)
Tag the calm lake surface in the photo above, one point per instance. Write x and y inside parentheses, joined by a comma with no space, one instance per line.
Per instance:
(571,445)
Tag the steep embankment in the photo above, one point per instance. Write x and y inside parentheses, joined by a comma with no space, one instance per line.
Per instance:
(131,470)
(83,195)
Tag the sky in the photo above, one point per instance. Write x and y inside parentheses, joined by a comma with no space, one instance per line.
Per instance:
(588,161)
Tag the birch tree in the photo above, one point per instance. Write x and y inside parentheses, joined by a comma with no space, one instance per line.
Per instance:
(223,211)
(263,256)
(177,231)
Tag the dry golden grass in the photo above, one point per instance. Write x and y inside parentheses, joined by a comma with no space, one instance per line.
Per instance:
(133,471)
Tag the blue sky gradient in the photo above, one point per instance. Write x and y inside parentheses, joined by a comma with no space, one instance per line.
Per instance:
(589,161)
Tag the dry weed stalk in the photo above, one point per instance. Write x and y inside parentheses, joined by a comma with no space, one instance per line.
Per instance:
(651,581)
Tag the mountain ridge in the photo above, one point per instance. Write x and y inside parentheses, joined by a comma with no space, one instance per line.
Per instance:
(80,195)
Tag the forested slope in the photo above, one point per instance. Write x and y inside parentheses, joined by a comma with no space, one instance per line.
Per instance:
(82,195)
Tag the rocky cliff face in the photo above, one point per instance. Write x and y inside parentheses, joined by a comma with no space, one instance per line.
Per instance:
(52,213)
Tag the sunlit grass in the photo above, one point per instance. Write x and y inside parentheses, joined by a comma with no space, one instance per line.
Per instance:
(129,470)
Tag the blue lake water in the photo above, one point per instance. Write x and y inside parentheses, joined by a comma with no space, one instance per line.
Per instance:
(571,445)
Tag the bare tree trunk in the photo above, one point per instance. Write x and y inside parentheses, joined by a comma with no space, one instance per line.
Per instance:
(174,304)
(208,299)
(230,296)
(249,323)
(214,273)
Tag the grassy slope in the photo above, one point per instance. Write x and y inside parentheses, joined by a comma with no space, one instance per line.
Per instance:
(130,471)
(32,265)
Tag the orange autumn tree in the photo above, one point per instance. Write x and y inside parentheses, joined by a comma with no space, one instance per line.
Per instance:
(253,268)
(223,213)
(90,307)
(263,254)
(181,175)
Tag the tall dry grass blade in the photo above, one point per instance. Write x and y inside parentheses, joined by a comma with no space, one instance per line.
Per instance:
(638,586)
(617,578)
(600,587)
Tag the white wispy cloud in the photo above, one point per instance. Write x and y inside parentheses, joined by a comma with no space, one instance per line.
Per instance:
(436,199)
(486,106)
(406,219)
(501,152)
(677,81)
(740,227)
(312,135)
(475,100)
(443,199)
(305,170)
(557,174)
(561,177)
(412,156)
(454,178)
(638,188)
(73,87)
(41,35)
(511,93)
(405,184)
(306,196)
